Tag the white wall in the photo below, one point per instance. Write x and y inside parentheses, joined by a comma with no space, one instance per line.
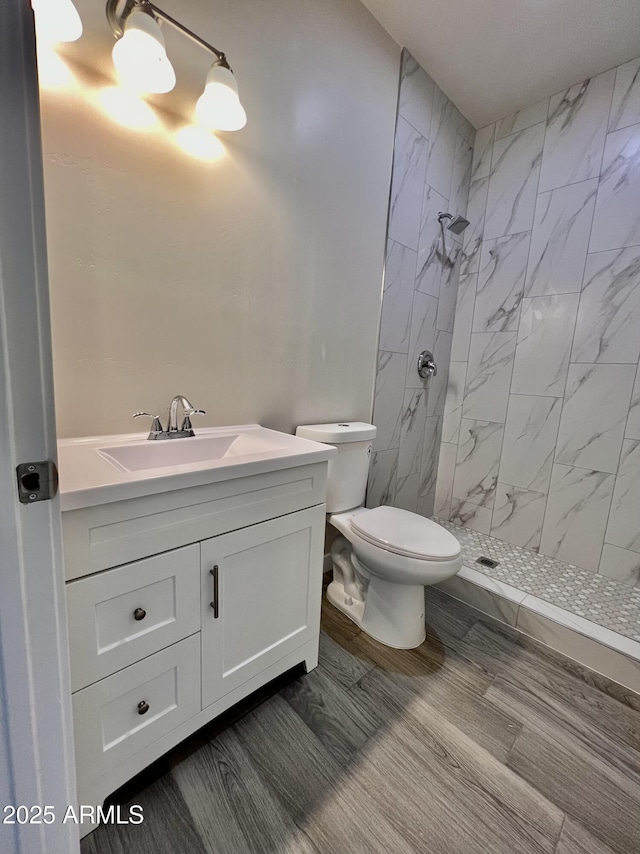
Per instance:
(251,284)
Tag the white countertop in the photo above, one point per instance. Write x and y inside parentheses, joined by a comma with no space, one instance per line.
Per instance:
(88,477)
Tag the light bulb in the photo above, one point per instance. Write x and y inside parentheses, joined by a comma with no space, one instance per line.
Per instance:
(219,107)
(140,57)
(57,20)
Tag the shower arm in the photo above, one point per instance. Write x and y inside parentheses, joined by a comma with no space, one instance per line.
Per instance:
(441,218)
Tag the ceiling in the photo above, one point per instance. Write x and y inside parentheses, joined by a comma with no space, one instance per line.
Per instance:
(492,57)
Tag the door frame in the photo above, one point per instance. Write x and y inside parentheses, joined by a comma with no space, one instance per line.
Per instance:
(36,735)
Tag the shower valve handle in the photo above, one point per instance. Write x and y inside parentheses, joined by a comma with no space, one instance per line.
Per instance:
(426,365)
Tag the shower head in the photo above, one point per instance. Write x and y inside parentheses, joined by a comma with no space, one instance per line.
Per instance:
(457,224)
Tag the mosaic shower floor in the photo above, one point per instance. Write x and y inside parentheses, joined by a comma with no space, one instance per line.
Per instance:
(608,603)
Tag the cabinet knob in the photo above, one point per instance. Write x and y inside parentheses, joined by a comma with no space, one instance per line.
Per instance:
(139,614)
(143,707)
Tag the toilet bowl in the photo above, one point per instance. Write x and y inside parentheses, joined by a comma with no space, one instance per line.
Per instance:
(382,557)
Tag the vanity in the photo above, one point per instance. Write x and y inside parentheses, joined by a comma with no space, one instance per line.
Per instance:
(193,577)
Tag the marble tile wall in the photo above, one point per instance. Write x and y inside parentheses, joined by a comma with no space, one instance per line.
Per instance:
(431,173)
(541,425)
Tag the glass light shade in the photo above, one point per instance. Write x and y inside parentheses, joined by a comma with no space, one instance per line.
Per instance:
(140,57)
(57,20)
(219,107)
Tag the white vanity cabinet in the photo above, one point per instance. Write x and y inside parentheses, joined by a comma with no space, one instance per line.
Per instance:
(182,603)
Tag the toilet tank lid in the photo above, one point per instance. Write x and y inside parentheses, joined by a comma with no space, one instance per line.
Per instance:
(338,432)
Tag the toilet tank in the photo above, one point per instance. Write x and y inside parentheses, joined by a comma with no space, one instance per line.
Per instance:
(349,470)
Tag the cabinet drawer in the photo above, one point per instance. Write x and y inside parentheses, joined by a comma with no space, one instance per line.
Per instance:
(108,723)
(123,615)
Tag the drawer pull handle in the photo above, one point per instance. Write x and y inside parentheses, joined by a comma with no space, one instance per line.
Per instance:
(143,707)
(214,603)
(139,614)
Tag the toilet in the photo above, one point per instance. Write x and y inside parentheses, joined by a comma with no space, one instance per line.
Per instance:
(384,557)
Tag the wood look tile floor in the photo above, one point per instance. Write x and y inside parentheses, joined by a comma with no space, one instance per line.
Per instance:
(475,742)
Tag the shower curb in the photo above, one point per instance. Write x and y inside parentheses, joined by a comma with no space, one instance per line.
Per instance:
(600,649)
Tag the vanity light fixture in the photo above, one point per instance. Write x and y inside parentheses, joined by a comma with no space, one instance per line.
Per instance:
(57,20)
(219,107)
(141,60)
(140,56)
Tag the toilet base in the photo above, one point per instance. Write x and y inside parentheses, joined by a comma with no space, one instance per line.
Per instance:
(392,614)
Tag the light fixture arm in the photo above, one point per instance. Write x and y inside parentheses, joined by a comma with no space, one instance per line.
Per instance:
(116,22)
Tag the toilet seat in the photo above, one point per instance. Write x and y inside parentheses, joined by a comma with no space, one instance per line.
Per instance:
(404,533)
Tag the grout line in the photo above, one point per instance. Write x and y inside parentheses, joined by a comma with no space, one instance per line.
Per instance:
(522,130)
(615,83)
(513,361)
(411,124)
(400,243)
(573,337)
(613,492)
(635,382)
(482,246)
(624,127)
(395,352)
(607,134)
(543,396)
(568,184)
(616,248)
(593,76)
(612,364)
(584,263)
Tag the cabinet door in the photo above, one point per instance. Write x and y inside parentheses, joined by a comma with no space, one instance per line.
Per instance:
(269,586)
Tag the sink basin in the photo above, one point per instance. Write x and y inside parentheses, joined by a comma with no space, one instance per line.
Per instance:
(142,456)
(101,469)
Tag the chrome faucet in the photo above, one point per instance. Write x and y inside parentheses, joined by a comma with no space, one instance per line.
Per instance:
(172,431)
(187,410)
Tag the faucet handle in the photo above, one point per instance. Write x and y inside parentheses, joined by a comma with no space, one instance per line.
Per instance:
(156,426)
(186,424)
